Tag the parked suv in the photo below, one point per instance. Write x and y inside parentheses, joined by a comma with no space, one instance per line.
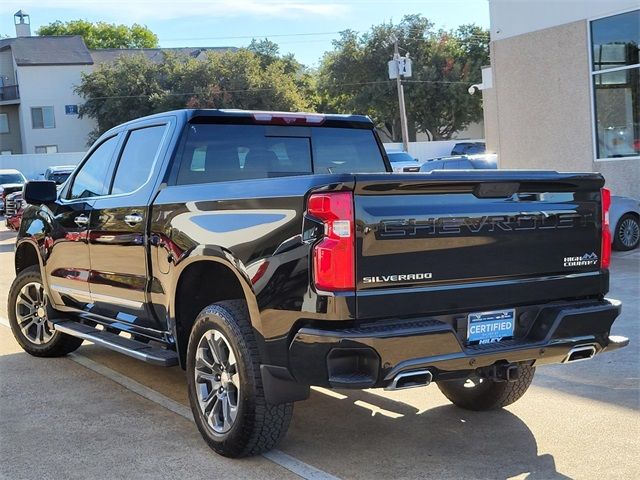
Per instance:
(264,252)
(468,148)
(461,162)
(59,174)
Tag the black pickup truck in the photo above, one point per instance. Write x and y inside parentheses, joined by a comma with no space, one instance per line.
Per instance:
(266,252)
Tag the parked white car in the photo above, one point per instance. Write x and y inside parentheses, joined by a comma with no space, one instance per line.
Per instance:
(403,162)
(624,218)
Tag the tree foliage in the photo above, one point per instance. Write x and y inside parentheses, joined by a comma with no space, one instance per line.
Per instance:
(135,86)
(103,35)
(353,77)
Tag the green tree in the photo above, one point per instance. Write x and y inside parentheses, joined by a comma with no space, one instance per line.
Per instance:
(131,87)
(305,79)
(134,86)
(266,50)
(236,79)
(103,35)
(353,77)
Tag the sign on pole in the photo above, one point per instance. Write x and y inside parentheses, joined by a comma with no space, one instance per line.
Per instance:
(401,66)
(393,69)
(404,66)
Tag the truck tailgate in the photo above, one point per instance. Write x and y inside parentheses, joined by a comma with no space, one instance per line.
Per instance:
(448,241)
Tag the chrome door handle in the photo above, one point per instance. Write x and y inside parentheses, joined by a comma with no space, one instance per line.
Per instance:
(132,219)
(81,220)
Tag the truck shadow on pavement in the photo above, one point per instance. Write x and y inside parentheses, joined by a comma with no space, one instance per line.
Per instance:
(368,436)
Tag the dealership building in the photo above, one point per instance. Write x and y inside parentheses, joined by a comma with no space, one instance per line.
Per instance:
(563,88)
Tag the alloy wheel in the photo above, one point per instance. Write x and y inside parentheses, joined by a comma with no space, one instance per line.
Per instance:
(217,381)
(31,314)
(629,232)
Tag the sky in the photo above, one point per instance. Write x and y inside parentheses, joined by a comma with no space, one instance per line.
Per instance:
(302,27)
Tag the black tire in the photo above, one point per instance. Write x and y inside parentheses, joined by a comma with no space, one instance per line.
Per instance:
(487,394)
(626,235)
(59,344)
(258,426)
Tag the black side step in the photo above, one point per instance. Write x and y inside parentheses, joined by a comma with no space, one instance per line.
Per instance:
(132,348)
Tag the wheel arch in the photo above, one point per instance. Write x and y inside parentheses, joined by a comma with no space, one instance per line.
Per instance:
(633,213)
(194,289)
(26,256)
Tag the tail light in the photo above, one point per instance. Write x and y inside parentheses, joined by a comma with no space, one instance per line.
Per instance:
(334,255)
(605,250)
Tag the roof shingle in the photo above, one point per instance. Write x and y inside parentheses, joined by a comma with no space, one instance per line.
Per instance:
(48,50)
(110,55)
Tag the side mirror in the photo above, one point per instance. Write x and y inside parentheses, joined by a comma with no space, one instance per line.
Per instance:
(37,192)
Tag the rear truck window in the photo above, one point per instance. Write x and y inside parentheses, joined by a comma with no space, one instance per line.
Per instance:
(223,152)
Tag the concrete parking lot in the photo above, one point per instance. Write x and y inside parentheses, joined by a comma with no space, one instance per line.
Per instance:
(97,414)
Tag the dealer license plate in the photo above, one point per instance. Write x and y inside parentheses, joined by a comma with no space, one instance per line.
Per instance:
(490,327)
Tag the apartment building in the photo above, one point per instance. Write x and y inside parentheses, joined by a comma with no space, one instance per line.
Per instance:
(38,76)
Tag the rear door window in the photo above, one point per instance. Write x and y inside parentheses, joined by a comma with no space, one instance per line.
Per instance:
(217,153)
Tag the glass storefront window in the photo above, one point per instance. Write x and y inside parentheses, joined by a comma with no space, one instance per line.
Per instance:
(616,84)
(615,40)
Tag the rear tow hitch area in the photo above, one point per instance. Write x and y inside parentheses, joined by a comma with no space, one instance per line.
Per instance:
(502,372)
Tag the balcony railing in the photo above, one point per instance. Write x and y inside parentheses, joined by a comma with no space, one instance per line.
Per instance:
(9,92)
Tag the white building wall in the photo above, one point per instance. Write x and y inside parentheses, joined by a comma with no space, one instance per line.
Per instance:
(424,151)
(473,130)
(53,85)
(538,114)
(515,17)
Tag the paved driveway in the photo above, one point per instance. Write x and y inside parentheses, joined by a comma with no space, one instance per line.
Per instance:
(97,414)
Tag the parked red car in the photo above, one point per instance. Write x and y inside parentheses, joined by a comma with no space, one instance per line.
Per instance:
(13,210)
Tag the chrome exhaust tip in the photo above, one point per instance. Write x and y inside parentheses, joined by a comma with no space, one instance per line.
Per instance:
(417,378)
(578,354)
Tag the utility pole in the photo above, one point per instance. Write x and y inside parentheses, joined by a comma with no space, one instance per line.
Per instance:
(403,112)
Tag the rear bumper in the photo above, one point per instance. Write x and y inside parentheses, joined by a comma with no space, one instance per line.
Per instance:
(372,355)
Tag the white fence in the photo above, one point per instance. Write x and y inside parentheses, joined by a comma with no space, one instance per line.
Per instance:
(32,165)
(424,151)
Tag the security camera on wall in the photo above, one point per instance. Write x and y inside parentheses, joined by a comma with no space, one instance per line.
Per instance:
(475,87)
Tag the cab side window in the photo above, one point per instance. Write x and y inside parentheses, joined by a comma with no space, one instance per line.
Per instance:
(137,159)
(91,180)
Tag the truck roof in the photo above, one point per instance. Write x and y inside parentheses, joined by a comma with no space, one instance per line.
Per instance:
(261,116)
